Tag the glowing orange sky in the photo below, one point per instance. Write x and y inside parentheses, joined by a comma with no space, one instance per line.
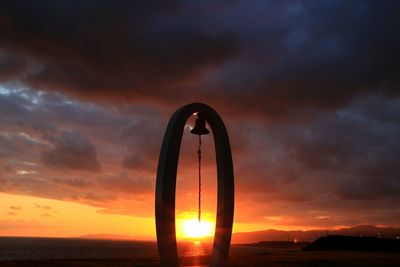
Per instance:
(97,169)
(24,215)
(312,111)
(34,216)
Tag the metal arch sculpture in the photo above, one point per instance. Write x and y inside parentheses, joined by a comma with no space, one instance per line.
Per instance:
(166,185)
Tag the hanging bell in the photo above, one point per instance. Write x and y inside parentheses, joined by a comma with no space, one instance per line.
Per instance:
(200,127)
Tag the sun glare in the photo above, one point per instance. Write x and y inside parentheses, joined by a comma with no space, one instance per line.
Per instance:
(195,229)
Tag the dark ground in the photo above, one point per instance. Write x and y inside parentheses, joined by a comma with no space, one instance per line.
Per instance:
(248,257)
(59,252)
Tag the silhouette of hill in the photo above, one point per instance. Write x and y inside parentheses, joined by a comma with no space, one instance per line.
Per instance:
(279,235)
(107,237)
(279,244)
(354,243)
(311,235)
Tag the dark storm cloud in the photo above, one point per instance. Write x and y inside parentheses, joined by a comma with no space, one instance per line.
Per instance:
(266,57)
(315,54)
(346,150)
(342,164)
(74,151)
(10,67)
(19,145)
(358,151)
(134,48)
(143,136)
(308,90)
(51,146)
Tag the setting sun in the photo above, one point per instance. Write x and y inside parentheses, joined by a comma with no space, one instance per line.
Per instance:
(195,229)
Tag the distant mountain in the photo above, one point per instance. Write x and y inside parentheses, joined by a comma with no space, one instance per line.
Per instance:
(108,236)
(278,235)
(308,236)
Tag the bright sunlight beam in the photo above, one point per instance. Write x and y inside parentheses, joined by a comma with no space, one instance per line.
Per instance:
(195,229)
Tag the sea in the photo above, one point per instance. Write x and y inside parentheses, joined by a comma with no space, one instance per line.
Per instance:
(30,248)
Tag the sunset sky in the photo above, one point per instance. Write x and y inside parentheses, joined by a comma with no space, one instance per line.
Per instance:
(309,92)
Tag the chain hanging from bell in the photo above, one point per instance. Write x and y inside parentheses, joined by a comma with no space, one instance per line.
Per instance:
(199,129)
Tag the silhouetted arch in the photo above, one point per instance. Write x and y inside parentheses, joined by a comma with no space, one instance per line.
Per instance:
(166,185)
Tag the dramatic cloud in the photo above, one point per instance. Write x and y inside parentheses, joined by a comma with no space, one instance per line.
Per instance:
(55,147)
(267,58)
(309,91)
(72,151)
(129,57)
(10,67)
(346,155)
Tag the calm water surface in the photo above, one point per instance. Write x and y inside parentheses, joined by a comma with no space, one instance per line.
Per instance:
(12,248)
